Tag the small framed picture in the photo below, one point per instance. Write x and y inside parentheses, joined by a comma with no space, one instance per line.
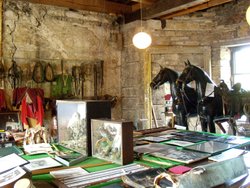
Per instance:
(41,163)
(112,140)
(10,121)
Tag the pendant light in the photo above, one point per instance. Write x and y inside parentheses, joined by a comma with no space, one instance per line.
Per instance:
(142,39)
(248,15)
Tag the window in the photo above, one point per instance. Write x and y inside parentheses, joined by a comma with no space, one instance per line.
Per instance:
(241,66)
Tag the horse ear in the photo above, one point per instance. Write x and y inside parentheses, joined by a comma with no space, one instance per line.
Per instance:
(188,62)
(222,81)
(185,63)
(161,66)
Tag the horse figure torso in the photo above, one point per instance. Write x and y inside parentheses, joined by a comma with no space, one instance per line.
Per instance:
(235,100)
(208,107)
(182,105)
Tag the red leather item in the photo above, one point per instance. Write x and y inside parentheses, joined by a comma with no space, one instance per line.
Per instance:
(179,169)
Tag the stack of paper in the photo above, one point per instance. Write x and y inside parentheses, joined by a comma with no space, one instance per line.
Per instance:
(11,176)
(11,161)
(10,169)
(37,148)
(41,163)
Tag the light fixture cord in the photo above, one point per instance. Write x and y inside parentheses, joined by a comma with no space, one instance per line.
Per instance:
(141,13)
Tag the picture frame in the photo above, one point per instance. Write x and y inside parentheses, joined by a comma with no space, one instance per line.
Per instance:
(211,147)
(184,156)
(170,152)
(72,125)
(41,163)
(10,121)
(112,140)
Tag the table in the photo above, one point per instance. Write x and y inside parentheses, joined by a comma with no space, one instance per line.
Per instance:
(40,180)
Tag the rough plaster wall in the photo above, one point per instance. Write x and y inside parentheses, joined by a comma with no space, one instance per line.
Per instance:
(215,27)
(132,85)
(50,33)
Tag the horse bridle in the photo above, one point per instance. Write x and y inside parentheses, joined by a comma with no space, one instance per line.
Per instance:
(182,90)
(156,84)
(188,74)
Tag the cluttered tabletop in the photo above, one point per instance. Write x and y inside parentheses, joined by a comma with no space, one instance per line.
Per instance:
(157,158)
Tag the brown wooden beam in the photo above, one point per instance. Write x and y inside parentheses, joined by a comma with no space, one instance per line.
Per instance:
(164,7)
(161,8)
(138,6)
(146,2)
(203,6)
(90,5)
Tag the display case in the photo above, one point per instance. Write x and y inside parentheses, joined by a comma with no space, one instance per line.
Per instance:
(112,140)
(73,122)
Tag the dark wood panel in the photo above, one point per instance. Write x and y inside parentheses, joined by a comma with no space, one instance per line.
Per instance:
(203,6)
(91,5)
(161,8)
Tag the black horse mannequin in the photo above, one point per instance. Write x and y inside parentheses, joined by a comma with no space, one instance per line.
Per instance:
(209,105)
(236,103)
(182,106)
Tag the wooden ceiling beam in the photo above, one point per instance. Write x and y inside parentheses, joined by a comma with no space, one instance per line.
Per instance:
(203,6)
(90,5)
(161,8)
(138,6)
(145,2)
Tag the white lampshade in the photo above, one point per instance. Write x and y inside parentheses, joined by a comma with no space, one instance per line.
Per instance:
(248,15)
(142,40)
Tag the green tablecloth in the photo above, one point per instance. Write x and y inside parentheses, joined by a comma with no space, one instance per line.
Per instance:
(91,160)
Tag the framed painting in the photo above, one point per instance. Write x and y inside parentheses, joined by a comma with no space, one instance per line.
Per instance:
(72,125)
(112,140)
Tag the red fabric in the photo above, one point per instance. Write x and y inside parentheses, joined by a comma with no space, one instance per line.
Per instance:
(2,100)
(28,111)
(32,108)
(167,97)
(19,94)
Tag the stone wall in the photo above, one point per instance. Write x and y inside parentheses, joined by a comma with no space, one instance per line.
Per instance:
(213,28)
(230,28)
(132,78)
(33,32)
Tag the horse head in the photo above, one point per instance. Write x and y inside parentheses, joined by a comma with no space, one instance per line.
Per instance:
(164,75)
(194,73)
(186,76)
(222,88)
(157,80)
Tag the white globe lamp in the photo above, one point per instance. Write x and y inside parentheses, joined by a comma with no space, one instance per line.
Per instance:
(248,15)
(142,40)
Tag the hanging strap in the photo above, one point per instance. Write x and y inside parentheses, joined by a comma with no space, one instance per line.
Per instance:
(38,73)
(49,73)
